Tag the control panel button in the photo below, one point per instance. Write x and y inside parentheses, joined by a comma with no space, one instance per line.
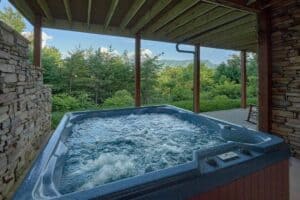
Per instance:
(228,156)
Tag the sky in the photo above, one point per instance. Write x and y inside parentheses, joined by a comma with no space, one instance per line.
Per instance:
(66,41)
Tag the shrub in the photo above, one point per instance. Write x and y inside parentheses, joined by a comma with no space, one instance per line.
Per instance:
(65,102)
(230,89)
(122,98)
(56,117)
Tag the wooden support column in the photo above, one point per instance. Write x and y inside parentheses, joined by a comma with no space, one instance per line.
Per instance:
(37,41)
(243,79)
(264,71)
(138,70)
(196,86)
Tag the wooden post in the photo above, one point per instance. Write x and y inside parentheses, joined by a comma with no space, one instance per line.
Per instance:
(37,41)
(138,70)
(243,79)
(196,87)
(264,71)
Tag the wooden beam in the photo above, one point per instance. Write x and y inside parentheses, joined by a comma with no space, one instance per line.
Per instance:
(199,21)
(132,12)
(243,79)
(264,71)
(152,12)
(227,31)
(171,14)
(196,81)
(249,2)
(89,12)
(242,44)
(236,39)
(44,6)
(68,10)
(192,14)
(37,41)
(210,26)
(232,26)
(111,11)
(23,7)
(138,70)
(237,4)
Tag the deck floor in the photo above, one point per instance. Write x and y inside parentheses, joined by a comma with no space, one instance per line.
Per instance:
(236,116)
(239,116)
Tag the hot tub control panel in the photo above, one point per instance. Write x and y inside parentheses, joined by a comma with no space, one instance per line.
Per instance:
(225,156)
(230,155)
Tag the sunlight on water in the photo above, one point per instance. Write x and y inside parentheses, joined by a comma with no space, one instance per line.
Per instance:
(102,150)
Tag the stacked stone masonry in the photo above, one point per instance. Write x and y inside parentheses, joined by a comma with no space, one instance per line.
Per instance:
(285,44)
(25,107)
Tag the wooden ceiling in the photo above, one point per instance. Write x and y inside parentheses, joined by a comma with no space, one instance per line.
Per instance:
(209,23)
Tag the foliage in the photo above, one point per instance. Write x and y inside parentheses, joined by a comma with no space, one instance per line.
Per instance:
(52,65)
(214,104)
(89,78)
(13,18)
(64,102)
(56,117)
(121,98)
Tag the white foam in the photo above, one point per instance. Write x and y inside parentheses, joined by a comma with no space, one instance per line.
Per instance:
(102,150)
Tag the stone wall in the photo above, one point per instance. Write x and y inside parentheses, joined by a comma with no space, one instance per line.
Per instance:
(285,20)
(25,108)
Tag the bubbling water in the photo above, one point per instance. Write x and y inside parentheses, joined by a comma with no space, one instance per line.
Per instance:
(103,150)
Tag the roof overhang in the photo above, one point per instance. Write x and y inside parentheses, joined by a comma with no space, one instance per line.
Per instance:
(227,24)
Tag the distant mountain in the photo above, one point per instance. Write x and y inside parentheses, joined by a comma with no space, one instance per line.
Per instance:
(184,63)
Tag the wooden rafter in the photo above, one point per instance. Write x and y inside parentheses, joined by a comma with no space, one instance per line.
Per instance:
(234,26)
(245,45)
(241,42)
(44,6)
(186,17)
(237,4)
(154,11)
(89,12)
(111,11)
(220,22)
(249,2)
(208,18)
(229,38)
(250,47)
(197,21)
(132,12)
(242,30)
(177,10)
(68,10)
(24,9)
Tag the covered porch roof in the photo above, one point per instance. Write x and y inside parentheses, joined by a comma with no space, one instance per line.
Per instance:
(242,25)
(210,23)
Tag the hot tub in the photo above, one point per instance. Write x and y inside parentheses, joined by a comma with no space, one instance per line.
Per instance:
(157,152)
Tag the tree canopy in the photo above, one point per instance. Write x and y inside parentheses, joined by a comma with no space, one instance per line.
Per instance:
(13,18)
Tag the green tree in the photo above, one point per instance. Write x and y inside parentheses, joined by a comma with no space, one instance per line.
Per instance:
(149,75)
(75,71)
(121,98)
(13,18)
(229,71)
(52,65)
